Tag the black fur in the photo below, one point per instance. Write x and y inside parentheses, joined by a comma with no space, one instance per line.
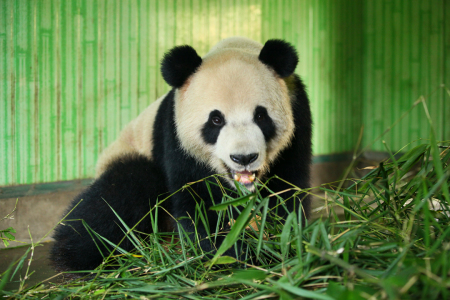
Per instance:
(210,131)
(280,56)
(293,163)
(181,168)
(178,64)
(130,186)
(265,123)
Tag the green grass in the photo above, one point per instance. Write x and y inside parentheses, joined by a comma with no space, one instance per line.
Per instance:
(392,241)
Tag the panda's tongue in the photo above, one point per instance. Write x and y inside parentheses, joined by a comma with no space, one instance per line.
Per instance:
(244,177)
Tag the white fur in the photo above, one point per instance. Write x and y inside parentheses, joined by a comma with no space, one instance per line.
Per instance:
(135,138)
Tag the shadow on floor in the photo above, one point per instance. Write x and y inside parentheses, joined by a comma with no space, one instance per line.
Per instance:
(40,268)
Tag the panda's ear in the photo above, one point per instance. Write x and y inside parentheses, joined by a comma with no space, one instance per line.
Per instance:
(178,64)
(280,56)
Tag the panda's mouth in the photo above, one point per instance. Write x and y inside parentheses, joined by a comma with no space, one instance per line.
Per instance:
(246,178)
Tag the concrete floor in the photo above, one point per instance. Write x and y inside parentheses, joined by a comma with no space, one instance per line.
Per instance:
(34,216)
(40,268)
(33,219)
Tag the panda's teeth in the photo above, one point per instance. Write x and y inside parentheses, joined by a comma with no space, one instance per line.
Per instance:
(237,177)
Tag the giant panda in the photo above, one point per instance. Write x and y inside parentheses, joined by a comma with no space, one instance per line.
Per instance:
(240,111)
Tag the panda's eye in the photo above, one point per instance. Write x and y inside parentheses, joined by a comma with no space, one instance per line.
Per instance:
(216,120)
(260,117)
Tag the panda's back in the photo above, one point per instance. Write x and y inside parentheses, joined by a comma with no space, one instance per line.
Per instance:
(135,139)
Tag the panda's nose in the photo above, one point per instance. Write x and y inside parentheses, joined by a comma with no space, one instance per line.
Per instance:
(244,159)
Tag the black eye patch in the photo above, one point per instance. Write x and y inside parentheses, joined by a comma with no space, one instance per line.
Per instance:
(212,127)
(264,122)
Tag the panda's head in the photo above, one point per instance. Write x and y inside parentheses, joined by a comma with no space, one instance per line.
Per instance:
(233,109)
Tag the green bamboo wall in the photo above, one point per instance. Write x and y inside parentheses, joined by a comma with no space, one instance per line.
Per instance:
(405,58)
(74,72)
(328,36)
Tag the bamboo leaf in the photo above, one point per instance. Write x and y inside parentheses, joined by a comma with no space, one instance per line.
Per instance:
(235,232)
(235,202)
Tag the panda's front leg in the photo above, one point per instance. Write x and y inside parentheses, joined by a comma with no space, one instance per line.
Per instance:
(190,224)
(125,192)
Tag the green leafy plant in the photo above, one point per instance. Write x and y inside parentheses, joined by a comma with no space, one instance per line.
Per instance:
(6,235)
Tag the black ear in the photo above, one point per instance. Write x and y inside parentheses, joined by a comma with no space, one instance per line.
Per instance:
(178,64)
(280,56)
